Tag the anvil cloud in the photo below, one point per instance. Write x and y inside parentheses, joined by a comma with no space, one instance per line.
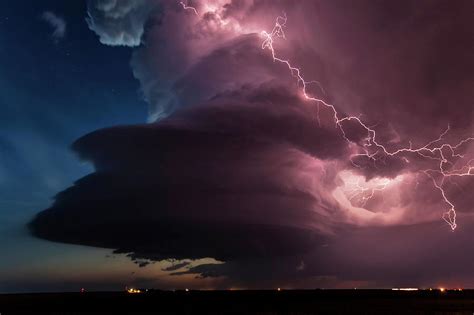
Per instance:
(235,164)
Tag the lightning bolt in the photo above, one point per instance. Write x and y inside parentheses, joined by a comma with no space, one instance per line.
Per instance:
(371,148)
(187,7)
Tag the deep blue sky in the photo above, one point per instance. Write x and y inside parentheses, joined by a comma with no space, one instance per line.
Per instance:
(51,93)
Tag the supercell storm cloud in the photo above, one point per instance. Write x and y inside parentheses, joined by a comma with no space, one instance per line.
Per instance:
(299,142)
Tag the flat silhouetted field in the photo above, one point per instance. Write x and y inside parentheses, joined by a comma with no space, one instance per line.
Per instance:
(244,302)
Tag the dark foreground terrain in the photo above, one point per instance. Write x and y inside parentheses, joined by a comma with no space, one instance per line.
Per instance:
(244,302)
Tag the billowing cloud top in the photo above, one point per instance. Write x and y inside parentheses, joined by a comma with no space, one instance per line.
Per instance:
(239,165)
(119,23)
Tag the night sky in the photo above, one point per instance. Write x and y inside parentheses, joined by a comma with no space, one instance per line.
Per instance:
(153,143)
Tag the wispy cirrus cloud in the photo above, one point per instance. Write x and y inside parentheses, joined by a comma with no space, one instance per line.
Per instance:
(58,24)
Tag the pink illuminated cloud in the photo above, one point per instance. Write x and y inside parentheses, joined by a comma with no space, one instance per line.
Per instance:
(335,127)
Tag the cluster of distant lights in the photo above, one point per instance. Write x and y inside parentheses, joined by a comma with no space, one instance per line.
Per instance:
(134,291)
(371,148)
(138,291)
(441,289)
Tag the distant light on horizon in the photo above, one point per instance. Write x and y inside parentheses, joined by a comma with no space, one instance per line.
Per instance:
(405,289)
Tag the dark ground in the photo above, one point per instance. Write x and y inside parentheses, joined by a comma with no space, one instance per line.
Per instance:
(244,302)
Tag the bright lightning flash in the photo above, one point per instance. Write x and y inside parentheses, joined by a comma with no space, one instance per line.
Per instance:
(359,191)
